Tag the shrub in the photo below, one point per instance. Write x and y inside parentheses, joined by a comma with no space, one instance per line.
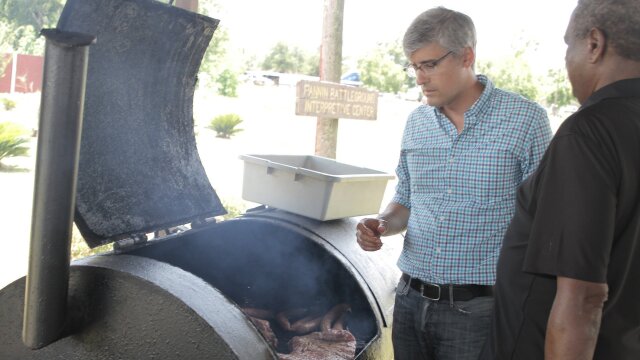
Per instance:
(227,84)
(225,125)
(80,249)
(8,104)
(12,140)
(234,209)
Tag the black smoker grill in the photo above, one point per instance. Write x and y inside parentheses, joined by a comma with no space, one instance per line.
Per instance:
(177,296)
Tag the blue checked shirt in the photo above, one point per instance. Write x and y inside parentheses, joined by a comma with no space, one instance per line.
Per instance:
(461,188)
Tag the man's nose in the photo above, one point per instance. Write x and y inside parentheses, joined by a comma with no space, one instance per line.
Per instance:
(421,78)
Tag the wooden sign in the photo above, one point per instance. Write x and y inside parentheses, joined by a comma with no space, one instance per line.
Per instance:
(330,100)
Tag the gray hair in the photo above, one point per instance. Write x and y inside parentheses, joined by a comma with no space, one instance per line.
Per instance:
(450,29)
(619,20)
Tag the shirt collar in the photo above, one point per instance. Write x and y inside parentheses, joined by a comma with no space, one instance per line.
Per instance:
(618,89)
(483,101)
(472,115)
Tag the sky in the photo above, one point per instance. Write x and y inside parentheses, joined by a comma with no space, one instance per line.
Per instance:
(501,25)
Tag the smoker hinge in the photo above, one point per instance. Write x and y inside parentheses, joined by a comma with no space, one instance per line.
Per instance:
(128,243)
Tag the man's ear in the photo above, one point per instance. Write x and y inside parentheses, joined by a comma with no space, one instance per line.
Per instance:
(597,43)
(468,57)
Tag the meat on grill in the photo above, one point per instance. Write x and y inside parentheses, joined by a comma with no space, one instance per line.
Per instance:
(258,313)
(314,347)
(332,343)
(260,318)
(300,320)
(306,325)
(264,328)
(284,317)
(333,324)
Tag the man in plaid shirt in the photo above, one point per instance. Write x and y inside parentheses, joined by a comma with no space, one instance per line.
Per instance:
(463,155)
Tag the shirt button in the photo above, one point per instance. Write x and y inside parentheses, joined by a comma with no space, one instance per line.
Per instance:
(451,159)
(449,191)
(441,218)
(438,250)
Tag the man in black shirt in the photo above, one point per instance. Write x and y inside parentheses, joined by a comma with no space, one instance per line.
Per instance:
(568,277)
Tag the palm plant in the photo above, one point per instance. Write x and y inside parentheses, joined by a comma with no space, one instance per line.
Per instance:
(12,140)
(225,125)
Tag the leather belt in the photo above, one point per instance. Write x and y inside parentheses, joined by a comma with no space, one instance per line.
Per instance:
(437,292)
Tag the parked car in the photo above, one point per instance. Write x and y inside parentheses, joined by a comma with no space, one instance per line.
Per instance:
(351,78)
(257,79)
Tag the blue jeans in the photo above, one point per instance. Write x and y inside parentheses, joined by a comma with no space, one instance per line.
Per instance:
(439,330)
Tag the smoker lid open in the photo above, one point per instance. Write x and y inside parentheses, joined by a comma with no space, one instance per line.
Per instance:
(139,167)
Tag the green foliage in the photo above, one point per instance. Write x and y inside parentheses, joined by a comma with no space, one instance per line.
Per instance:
(290,60)
(80,249)
(512,75)
(234,209)
(12,140)
(560,93)
(8,104)
(35,13)
(225,125)
(228,83)
(382,69)
(21,22)
(213,59)
(312,65)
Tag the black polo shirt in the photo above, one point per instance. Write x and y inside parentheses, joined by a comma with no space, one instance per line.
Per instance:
(577,216)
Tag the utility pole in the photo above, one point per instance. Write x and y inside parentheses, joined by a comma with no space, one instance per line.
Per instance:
(330,70)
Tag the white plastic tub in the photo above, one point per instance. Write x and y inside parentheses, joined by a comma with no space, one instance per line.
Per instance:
(313,186)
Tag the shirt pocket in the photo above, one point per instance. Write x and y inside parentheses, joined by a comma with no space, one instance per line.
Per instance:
(426,167)
(487,172)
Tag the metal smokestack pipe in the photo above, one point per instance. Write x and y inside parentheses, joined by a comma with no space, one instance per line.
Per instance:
(61,106)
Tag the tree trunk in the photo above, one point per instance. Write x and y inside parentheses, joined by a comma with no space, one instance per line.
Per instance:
(330,70)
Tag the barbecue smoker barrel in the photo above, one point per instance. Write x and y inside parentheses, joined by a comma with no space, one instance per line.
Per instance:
(180,296)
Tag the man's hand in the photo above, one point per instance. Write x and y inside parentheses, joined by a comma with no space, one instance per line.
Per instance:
(392,220)
(368,232)
(574,321)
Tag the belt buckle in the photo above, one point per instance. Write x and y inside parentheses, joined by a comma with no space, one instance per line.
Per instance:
(422,287)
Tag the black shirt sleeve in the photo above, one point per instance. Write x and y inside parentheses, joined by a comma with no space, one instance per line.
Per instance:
(574,210)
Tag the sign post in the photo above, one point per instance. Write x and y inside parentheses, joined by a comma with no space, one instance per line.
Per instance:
(330,70)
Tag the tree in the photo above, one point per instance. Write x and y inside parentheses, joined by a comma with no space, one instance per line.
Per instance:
(560,94)
(382,69)
(227,83)
(312,65)
(213,61)
(285,59)
(513,74)
(21,22)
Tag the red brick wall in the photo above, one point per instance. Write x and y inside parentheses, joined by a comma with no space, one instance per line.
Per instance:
(5,78)
(29,73)
(28,77)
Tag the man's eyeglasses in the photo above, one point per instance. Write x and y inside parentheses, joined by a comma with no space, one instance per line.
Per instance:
(427,67)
